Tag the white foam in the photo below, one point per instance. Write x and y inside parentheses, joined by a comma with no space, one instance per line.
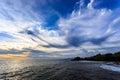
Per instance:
(111,67)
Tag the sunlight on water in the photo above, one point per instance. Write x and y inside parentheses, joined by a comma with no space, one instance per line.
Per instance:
(8,66)
(17,69)
(16,65)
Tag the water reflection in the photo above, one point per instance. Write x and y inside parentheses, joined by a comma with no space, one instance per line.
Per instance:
(15,65)
(12,65)
(20,69)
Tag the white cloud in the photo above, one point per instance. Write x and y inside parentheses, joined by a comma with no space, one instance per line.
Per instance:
(90,24)
(16,16)
(82,27)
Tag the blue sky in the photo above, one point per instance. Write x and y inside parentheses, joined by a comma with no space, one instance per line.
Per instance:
(59,28)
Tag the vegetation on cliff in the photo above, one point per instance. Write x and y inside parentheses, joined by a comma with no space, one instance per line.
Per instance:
(101,57)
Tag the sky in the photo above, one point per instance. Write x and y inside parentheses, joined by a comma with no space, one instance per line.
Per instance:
(56,29)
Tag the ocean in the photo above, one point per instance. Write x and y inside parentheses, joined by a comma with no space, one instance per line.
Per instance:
(24,69)
(57,70)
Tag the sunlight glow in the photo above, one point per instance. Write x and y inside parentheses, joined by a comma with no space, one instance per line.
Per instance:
(22,56)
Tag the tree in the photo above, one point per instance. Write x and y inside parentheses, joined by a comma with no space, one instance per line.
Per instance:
(76,59)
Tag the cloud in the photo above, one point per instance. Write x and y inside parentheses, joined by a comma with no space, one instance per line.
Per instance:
(22,56)
(18,11)
(86,30)
(89,25)
(25,24)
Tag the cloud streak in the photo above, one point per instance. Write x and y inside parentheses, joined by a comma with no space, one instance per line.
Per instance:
(89,25)
(89,28)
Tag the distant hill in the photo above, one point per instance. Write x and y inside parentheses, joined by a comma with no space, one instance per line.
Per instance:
(76,59)
(101,57)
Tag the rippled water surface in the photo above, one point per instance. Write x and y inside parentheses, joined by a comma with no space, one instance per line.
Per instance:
(18,70)
(55,70)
